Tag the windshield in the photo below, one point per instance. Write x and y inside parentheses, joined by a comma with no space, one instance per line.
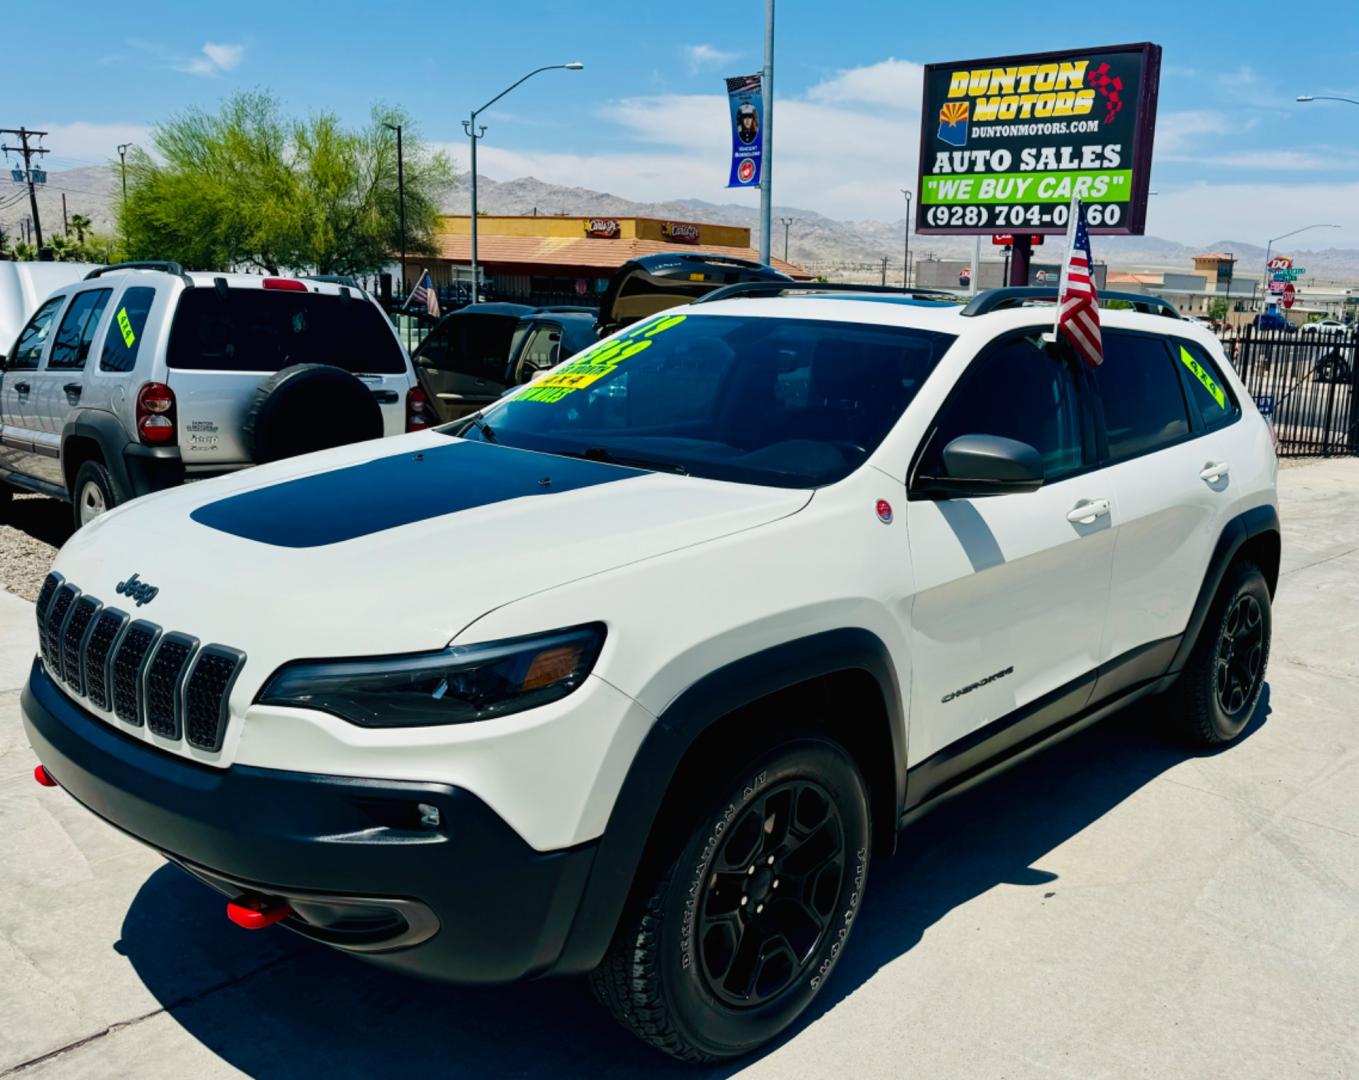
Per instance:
(784,402)
(268,330)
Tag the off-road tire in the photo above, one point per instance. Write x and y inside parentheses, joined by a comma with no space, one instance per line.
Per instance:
(1204,714)
(656,977)
(92,473)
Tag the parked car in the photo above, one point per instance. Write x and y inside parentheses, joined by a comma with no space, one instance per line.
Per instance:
(140,376)
(476,353)
(1272,320)
(1326,328)
(25,285)
(615,676)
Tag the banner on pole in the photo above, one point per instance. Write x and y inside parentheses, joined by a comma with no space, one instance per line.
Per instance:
(747,112)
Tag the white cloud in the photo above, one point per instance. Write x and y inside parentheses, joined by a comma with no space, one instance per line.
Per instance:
(1206,212)
(703,57)
(216,59)
(83,143)
(893,83)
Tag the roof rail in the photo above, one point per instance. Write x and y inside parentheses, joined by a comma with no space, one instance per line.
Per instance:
(1018,295)
(774,288)
(333,279)
(165,265)
(566,309)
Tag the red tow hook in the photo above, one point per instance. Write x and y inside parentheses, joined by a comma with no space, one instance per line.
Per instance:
(42,776)
(254,912)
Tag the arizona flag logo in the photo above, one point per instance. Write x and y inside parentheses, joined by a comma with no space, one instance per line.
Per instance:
(953,123)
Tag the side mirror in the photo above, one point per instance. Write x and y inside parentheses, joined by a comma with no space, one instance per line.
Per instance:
(980,465)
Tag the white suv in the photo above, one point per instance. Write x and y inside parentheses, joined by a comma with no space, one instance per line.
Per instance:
(142,376)
(634,672)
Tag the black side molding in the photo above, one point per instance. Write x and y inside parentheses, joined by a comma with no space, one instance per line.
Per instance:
(717,694)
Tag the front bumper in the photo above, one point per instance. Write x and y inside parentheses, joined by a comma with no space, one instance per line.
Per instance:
(466,901)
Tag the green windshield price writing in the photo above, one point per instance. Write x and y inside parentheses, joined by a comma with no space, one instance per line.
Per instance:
(125,325)
(1219,395)
(593,364)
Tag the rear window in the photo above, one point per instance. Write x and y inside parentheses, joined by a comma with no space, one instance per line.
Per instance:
(268,330)
(123,339)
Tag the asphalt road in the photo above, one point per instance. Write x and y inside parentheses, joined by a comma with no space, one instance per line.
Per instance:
(1117,907)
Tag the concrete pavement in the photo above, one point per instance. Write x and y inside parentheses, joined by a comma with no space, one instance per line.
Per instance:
(1117,907)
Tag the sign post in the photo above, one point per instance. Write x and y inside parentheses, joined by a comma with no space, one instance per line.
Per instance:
(1006,142)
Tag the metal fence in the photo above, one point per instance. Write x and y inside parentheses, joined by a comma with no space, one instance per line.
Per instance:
(1307,383)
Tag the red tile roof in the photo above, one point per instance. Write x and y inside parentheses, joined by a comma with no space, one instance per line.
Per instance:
(582,251)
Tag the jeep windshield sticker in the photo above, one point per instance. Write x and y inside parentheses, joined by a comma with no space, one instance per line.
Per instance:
(1218,394)
(593,364)
(125,325)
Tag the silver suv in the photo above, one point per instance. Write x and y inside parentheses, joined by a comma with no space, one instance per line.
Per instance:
(142,376)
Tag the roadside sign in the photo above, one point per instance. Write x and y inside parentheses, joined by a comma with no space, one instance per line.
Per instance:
(1006,142)
(1265,403)
(1289,293)
(1276,286)
(1006,239)
(1280,262)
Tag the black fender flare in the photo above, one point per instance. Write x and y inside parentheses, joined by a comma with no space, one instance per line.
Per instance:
(1240,530)
(105,430)
(742,682)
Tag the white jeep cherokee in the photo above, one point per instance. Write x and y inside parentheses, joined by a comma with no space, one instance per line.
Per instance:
(634,672)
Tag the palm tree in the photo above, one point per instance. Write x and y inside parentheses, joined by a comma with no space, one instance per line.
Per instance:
(79,222)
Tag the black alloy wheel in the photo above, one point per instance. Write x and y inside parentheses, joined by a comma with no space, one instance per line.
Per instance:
(772,894)
(1240,655)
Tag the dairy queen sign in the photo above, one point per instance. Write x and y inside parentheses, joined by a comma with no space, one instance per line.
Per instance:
(679,232)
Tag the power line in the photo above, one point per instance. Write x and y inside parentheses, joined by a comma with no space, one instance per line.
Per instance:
(28,152)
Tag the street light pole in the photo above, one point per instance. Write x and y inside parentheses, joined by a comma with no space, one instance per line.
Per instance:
(400,198)
(1324,97)
(474,133)
(767,134)
(906,245)
(122,168)
(785,222)
(1269,248)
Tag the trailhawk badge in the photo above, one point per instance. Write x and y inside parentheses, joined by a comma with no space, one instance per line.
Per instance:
(138,591)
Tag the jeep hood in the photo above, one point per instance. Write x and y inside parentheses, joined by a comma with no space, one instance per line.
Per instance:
(391,546)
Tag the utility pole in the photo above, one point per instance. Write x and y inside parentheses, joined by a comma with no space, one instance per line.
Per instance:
(785,222)
(906,247)
(28,152)
(122,167)
(767,134)
(400,198)
(884,269)
(65,228)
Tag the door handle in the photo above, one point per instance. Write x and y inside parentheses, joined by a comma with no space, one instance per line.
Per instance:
(386,397)
(72,388)
(1087,511)
(21,388)
(1213,471)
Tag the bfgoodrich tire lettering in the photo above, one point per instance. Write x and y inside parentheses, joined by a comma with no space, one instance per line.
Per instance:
(734,938)
(1220,686)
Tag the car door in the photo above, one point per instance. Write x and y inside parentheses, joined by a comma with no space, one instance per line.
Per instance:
(1012,589)
(461,364)
(541,350)
(1168,422)
(59,384)
(17,390)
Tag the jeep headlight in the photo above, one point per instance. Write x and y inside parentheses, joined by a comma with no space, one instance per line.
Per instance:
(457,685)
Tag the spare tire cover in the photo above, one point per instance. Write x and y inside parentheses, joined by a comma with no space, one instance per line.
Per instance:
(309,407)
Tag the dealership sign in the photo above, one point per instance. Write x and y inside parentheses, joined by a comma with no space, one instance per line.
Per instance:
(1006,143)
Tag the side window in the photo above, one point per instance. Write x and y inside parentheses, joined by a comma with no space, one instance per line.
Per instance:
(1204,385)
(124,337)
(27,349)
(1144,406)
(72,343)
(541,352)
(1017,390)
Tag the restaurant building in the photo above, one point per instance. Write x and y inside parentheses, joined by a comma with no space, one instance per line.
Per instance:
(569,260)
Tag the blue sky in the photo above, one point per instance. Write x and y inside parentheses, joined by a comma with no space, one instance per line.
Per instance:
(1236,157)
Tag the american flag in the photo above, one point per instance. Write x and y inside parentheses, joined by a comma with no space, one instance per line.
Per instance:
(1077,301)
(424,295)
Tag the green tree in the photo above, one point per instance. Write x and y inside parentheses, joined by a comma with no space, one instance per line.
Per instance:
(80,223)
(246,188)
(1217,309)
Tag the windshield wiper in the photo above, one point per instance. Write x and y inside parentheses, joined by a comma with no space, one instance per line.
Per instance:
(487,432)
(600,453)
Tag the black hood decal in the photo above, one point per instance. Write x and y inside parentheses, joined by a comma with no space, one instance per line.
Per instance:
(359,500)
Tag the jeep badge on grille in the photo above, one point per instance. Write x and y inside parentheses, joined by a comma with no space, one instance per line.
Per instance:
(136,590)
